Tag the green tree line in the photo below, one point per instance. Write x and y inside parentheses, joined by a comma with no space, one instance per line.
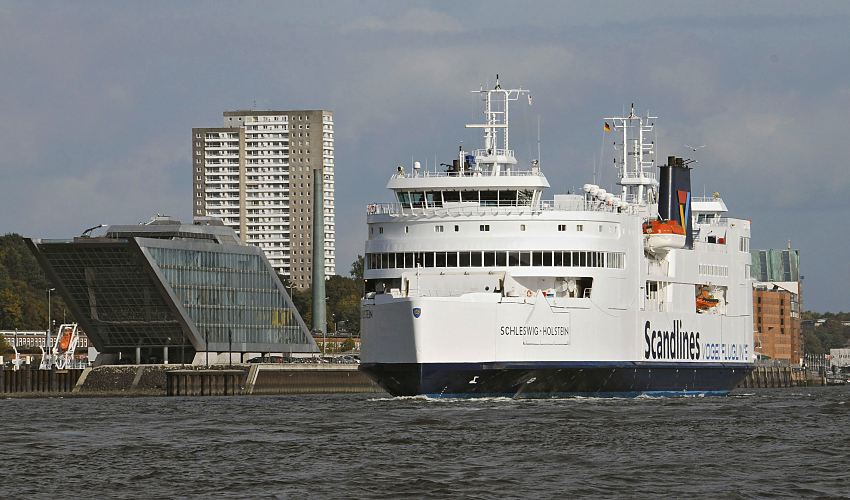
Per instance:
(831,334)
(23,288)
(343,301)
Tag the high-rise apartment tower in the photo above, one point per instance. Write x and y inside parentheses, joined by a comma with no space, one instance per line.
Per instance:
(256,174)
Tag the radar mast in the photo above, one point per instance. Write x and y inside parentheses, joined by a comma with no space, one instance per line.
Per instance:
(635,157)
(497,158)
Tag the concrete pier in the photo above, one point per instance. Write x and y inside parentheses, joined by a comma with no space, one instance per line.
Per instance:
(308,379)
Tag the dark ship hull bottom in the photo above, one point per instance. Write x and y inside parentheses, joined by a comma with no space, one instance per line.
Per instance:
(552,380)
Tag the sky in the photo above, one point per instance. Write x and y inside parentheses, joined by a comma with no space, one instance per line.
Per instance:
(98,99)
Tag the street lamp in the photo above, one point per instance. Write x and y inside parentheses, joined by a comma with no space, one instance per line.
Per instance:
(49,319)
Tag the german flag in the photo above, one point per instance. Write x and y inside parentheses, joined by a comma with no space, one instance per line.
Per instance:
(606,127)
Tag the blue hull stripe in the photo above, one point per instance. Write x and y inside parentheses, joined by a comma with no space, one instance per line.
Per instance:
(556,379)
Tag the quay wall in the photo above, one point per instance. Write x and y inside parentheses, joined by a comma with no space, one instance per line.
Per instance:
(38,382)
(773,377)
(187,380)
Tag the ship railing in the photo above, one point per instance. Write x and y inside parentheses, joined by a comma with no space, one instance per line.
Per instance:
(493,152)
(500,208)
(710,247)
(473,172)
(585,205)
(706,198)
(639,175)
(714,221)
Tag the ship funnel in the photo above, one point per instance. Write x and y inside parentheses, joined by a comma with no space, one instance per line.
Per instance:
(674,197)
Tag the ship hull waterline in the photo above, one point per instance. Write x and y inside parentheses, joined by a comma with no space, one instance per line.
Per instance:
(554,379)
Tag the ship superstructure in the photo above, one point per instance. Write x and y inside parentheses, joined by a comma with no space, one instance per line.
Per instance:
(476,285)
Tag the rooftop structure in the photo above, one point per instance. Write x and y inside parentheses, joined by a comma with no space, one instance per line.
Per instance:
(141,290)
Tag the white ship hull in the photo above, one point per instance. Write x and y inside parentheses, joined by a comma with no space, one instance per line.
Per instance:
(482,344)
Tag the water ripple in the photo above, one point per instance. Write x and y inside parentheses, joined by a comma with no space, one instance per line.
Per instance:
(786,443)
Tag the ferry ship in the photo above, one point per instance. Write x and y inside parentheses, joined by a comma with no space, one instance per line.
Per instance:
(478,286)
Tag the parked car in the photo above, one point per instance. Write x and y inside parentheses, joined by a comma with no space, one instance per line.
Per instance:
(267,359)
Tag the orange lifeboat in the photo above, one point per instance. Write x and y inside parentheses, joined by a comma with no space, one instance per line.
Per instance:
(663,235)
(65,341)
(663,227)
(705,300)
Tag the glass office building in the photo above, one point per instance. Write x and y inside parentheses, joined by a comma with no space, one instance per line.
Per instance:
(167,289)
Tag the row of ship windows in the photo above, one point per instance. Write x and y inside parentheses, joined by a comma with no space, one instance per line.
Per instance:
(498,258)
(714,270)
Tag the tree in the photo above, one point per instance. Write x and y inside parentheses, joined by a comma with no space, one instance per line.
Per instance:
(811,343)
(347,345)
(5,347)
(11,310)
(356,272)
(23,299)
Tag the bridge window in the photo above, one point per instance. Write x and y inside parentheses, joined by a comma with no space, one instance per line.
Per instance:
(489,198)
(417,199)
(451,196)
(507,198)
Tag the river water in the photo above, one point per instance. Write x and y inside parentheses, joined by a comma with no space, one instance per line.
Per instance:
(793,442)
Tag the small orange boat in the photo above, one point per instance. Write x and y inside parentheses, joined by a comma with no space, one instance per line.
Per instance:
(705,300)
(662,235)
(663,227)
(65,341)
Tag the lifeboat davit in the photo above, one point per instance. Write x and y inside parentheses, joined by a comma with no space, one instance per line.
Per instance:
(663,235)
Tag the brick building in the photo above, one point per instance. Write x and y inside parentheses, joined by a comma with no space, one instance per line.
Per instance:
(776,318)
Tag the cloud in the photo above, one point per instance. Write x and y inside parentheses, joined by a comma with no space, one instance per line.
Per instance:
(412,21)
(97,102)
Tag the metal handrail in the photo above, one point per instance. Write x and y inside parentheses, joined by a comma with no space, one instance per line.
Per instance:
(473,172)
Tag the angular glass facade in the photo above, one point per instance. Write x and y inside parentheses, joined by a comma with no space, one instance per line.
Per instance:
(230,297)
(112,293)
(191,288)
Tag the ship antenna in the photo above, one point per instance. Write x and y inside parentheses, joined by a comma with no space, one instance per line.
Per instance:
(538,138)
